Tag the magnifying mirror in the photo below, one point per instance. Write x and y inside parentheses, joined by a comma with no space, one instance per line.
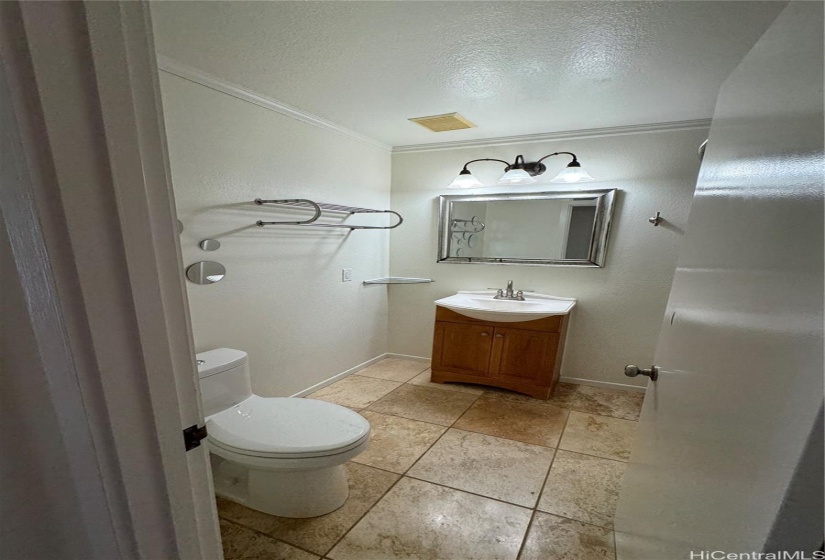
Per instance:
(210,244)
(206,272)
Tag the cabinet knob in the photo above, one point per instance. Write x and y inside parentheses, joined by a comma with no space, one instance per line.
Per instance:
(499,336)
(484,334)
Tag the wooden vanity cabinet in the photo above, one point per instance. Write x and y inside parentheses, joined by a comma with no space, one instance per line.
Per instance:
(523,357)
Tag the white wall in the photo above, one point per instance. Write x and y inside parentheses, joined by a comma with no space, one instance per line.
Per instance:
(282,299)
(620,307)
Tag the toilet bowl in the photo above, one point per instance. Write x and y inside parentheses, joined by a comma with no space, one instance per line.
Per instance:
(282,456)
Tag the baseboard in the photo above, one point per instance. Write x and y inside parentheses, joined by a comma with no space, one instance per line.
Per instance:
(406,357)
(341,375)
(368,363)
(605,384)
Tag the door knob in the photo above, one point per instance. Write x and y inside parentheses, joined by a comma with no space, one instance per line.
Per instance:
(484,334)
(633,371)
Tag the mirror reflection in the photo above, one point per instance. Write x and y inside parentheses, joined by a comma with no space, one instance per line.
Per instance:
(206,272)
(555,228)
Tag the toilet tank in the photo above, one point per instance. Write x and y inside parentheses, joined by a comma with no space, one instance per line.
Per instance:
(224,379)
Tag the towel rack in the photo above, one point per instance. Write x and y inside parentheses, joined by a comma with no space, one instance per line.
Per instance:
(320,208)
(477,225)
(398,280)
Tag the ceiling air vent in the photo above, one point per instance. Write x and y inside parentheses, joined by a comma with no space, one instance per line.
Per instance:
(443,123)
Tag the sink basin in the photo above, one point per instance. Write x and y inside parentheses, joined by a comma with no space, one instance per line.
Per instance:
(481,305)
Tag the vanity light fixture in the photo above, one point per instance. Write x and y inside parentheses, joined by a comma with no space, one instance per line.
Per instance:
(521,173)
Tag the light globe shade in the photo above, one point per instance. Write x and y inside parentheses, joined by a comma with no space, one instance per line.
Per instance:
(572,174)
(465,181)
(516,177)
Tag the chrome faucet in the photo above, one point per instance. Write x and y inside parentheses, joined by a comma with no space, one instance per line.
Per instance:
(508,294)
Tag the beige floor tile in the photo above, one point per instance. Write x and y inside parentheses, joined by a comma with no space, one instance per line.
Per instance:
(584,488)
(428,522)
(396,443)
(556,538)
(602,436)
(494,467)
(394,369)
(355,392)
(240,543)
(562,395)
(318,534)
(423,380)
(608,402)
(425,404)
(528,421)
(244,516)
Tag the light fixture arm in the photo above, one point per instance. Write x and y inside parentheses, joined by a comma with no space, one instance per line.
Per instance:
(533,168)
(537,167)
(482,159)
(571,154)
(521,172)
(518,164)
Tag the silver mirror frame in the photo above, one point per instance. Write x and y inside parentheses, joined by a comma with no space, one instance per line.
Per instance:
(598,242)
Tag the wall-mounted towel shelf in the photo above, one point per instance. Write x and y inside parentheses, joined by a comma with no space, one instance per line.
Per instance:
(399,280)
(319,208)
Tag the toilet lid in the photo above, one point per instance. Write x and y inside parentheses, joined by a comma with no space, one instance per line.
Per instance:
(287,426)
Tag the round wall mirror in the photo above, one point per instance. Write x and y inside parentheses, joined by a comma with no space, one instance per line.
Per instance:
(206,272)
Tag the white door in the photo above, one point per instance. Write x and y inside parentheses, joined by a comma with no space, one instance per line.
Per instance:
(723,460)
(98,364)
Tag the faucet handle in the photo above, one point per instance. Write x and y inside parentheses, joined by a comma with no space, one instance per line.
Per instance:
(520,295)
(525,291)
(499,294)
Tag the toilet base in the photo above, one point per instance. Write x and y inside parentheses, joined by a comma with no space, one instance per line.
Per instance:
(283,492)
(298,493)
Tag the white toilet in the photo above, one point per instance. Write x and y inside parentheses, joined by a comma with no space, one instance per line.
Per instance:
(282,456)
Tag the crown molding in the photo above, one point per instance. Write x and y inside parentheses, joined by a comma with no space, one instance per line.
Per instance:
(550,136)
(195,75)
(192,74)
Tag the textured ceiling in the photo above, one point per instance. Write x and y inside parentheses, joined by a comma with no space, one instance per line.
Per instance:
(512,68)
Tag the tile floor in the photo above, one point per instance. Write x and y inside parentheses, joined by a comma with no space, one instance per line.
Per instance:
(461,472)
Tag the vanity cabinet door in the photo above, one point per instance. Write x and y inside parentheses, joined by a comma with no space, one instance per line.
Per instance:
(462,348)
(524,356)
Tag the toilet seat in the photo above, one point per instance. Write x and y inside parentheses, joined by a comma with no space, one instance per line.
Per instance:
(287,428)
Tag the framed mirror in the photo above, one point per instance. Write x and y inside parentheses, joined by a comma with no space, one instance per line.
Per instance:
(541,229)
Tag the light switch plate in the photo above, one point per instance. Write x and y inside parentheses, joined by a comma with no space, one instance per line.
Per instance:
(346,275)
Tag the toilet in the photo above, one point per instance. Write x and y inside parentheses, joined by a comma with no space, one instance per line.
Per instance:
(282,456)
